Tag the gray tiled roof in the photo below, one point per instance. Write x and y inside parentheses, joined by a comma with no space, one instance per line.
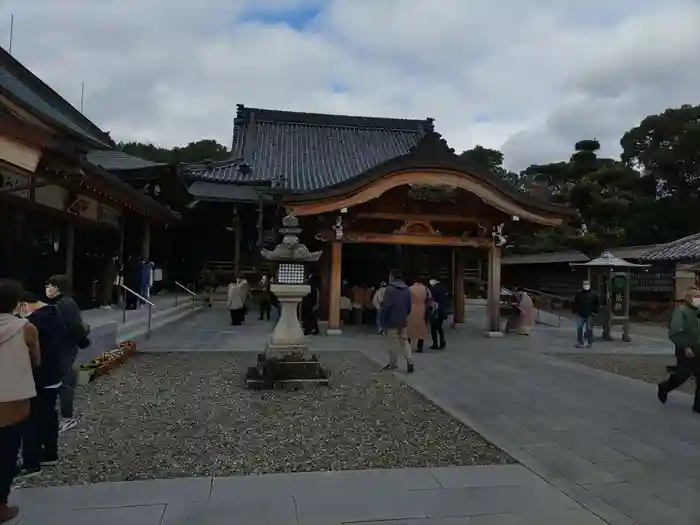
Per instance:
(211,191)
(572,256)
(22,85)
(115,160)
(686,249)
(308,151)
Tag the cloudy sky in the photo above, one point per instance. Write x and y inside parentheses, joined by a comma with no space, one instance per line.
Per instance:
(530,77)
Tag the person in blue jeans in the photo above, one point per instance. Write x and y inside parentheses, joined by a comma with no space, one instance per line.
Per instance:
(586,305)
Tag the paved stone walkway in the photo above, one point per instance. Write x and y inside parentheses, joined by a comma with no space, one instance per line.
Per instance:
(497,495)
(608,450)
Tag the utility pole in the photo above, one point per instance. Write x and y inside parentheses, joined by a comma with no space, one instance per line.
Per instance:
(12,29)
(82,95)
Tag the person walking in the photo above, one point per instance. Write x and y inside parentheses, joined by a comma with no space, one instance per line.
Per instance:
(527,314)
(237,295)
(131,277)
(58,293)
(395,310)
(420,314)
(40,437)
(309,309)
(586,305)
(377,303)
(265,307)
(19,351)
(684,333)
(208,280)
(438,314)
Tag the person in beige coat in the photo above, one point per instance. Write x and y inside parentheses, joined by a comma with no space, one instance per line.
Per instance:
(418,318)
(236,300)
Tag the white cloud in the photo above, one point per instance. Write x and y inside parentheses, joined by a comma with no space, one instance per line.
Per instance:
(530,77)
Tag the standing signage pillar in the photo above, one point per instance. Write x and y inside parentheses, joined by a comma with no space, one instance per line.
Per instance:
(619,303)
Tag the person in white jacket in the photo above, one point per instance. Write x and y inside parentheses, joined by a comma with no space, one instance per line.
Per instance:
(237,298)
(377,303)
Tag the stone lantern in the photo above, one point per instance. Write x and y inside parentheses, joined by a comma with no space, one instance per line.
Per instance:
(286,360)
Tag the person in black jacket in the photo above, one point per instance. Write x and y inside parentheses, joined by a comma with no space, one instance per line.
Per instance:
(438,314)
(40,437)
(58,293)
(586,305)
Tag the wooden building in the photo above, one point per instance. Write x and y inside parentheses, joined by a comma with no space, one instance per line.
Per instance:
(59,213)
(363,183)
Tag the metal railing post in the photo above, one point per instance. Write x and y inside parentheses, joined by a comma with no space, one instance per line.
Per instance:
(150,312)
(123,306)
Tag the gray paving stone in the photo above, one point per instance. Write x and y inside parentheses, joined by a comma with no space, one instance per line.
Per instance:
(643,507)
(485,476)
(314,483)
(476,501)
(352,506)
(591,502)
(128,493)
(566,517)
(575,468)
(267,511)
(142,515)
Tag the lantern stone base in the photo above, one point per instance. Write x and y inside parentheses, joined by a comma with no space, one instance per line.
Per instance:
(289,370)
(286,362)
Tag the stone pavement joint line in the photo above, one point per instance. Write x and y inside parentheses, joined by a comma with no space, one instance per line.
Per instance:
(494,495)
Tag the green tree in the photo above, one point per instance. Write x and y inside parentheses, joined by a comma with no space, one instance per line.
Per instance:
(206,149)
(603,191)
(665,150)
(491,159)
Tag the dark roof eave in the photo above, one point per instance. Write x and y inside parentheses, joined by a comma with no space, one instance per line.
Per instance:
(153,208)
(92,134)
(89,143)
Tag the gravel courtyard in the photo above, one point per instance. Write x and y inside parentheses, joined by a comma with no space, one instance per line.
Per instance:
(189,414)
(649,368)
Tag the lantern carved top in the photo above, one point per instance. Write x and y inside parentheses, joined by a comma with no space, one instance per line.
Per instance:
(291,250)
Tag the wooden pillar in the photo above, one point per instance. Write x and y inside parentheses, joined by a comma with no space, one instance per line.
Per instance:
(334,300)
(494,291)
(325,284)
(70,252)
(237,243)
(458,280)
(146,240)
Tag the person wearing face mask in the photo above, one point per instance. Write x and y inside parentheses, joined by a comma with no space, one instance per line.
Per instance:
(19,352)
(586,305)
(58,293)
(684,333)
(40,438)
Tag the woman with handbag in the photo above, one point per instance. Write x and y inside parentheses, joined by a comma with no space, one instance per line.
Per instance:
(419,318)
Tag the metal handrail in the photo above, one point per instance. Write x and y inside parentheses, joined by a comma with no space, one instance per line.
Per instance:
(549,297)
(151,306)
(186,289)
(177,296)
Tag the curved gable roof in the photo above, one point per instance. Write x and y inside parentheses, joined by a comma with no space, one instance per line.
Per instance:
(431,153)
